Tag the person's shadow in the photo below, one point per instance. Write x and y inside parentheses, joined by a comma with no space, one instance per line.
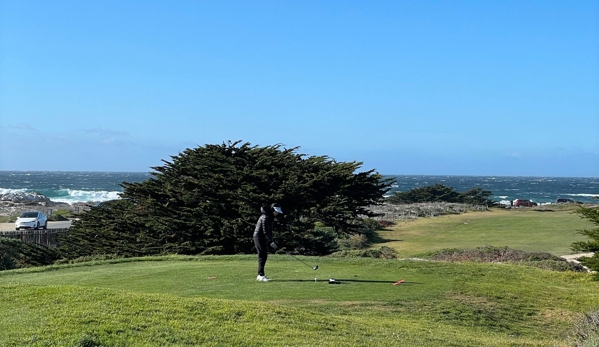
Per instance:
(341,281)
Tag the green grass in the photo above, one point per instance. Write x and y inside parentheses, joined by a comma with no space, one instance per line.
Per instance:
(543,229)
(216,301)
(7,219)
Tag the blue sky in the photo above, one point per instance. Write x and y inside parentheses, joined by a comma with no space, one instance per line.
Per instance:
(406,87)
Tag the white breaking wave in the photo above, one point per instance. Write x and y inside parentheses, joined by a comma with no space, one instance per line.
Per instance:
(589,195)
(11,191)
(75,196)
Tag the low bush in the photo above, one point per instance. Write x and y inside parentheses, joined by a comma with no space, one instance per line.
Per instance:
(364,239)
(386,223)
(372,224)
(585,330)
(354,242)
(504,255)
(383,253)
(556,265)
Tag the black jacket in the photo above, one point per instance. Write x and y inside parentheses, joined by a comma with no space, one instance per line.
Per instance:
(264,226)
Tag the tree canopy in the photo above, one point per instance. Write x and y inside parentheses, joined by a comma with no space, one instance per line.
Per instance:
(206,200)
(592,214)
(441,193)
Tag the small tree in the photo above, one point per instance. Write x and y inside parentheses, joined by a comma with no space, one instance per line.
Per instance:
(592,214)
(476,196)
(442,193)
(434,193)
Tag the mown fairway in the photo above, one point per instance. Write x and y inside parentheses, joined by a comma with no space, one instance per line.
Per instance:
(543,229)
(216,301)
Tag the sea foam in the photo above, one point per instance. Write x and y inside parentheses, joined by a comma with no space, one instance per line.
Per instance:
(75,196)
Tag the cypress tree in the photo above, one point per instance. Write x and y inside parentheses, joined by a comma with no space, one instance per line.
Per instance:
(206,200)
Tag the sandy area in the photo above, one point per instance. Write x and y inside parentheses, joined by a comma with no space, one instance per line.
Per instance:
(7,226)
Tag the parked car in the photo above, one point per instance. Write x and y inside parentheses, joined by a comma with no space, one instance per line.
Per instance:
(564,201)
(31,220)
(524,203)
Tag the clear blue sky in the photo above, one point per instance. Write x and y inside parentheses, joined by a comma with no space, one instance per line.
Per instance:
(406,87)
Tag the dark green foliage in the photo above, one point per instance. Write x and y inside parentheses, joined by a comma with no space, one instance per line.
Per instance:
(207,200)
(362,240)
(317,241)
(372,224)
(592,214)
(354,242)
(15,254)
(493,254)
(113,227)
(476,196)
(441,193)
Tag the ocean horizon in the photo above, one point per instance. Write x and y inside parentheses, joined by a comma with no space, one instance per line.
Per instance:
(97,186)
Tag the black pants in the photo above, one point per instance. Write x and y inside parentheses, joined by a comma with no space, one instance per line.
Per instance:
(262,249)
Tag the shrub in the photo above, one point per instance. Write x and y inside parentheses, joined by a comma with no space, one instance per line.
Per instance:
(388,252)
(585,330)
(371,224)
(383,253)
(386,223)
(542,260)
(556,265)
(353,242)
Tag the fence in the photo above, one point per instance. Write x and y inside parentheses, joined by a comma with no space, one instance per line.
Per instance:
(48,238)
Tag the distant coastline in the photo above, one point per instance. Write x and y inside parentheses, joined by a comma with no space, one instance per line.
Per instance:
(85,186)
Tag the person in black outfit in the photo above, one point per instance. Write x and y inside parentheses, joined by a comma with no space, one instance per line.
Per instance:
(263,237)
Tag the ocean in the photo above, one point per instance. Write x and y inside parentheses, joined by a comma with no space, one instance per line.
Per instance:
(542,190)
(69,186)
(72,187)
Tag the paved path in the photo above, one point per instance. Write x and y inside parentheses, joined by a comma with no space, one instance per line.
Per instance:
(51,225)
(574,257)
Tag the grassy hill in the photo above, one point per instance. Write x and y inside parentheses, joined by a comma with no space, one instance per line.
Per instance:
(216,301)
(543,229)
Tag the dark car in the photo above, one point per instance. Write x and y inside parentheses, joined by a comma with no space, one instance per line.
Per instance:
(564,201)
(524,203)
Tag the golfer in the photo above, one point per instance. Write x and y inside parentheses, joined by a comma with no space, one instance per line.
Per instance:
(263,237)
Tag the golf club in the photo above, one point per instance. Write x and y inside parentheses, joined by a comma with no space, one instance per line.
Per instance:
(301,261)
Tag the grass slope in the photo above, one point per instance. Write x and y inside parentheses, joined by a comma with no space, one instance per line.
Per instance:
(543,229)
(215,301)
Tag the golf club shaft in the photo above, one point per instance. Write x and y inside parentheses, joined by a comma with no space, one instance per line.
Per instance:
(301,261)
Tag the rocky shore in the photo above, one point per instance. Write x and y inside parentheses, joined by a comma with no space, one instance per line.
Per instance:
(13,204)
